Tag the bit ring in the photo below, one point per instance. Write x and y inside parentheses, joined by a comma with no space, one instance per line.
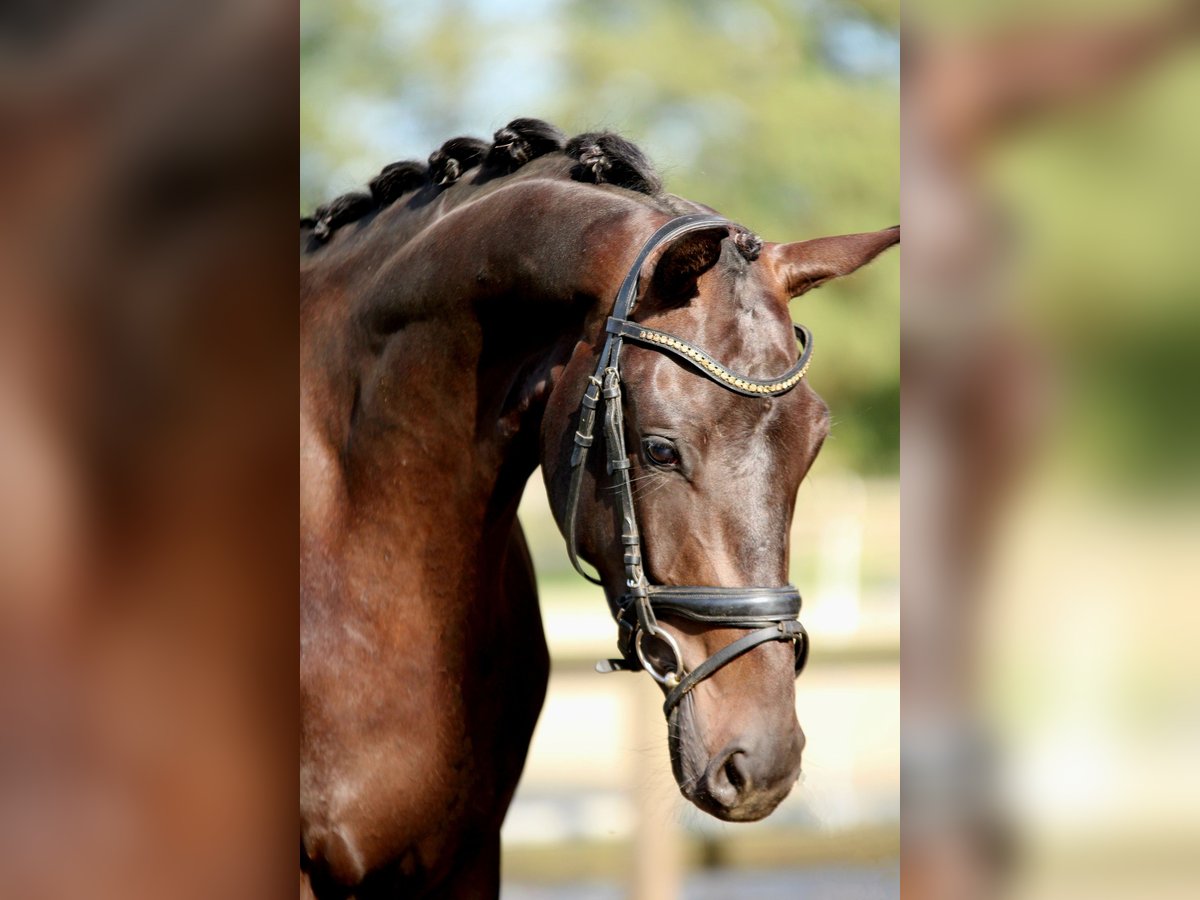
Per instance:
(670,679)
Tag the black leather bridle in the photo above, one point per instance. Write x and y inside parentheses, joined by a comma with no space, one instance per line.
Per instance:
(771,611)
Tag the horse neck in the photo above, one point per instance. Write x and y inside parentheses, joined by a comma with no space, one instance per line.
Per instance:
(451,342)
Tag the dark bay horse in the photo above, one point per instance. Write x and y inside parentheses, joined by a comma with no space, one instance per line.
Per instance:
(451,323)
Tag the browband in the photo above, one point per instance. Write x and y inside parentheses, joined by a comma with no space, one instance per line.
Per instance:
(705,364)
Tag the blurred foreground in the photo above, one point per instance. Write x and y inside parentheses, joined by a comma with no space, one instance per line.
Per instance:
(147,468)
(1050,462)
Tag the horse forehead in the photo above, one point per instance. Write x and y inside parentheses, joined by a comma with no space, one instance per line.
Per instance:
(743,325)
(667,393)
(758,346)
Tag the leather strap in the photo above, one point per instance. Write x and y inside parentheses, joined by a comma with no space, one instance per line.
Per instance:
(583,441)
(745,607)
(780,631)
(675,228)
(609,358)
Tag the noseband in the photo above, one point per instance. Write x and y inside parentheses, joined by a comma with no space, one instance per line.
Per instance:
(771,611)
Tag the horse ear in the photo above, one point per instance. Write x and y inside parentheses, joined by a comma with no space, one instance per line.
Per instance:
(807,264)
(682,263)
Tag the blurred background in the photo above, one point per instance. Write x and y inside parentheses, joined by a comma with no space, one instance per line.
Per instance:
(784,116)
(1051,467)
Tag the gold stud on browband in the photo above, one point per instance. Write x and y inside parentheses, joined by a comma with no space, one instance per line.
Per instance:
(719,371)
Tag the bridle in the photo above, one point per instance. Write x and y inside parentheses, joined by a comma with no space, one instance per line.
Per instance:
(771,611)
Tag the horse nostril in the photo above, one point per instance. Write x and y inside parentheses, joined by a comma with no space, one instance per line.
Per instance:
(726,780)
(733,774)
(744,783)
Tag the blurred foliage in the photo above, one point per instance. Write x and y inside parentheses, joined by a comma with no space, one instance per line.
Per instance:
(783,114)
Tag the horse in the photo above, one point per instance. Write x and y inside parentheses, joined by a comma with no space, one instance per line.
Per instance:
(461,324)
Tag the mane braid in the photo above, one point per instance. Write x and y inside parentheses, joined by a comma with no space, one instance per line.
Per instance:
(341,210)
(602,157)
(522,140)
(397,179)
(453,158)
(747,243)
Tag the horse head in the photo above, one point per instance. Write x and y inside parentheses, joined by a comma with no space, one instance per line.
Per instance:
(714,463)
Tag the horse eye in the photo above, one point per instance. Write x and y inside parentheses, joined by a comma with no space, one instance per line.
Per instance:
(661,453)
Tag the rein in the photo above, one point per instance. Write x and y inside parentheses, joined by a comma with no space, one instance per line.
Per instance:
(772,611)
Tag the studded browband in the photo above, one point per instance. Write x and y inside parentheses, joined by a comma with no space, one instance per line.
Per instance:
(771,611)
(706,365)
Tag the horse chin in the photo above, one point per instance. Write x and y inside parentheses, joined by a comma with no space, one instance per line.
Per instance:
(751,811)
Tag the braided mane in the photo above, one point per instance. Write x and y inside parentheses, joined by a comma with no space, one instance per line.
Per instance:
(600,157)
